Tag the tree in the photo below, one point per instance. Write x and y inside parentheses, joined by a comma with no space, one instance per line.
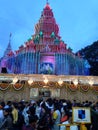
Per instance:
(90,53)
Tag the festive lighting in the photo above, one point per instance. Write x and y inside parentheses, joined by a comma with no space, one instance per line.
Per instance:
(91,82)
(15,80)
(30,81)
(60,82)
(45,81)
(75,82)
(45,86)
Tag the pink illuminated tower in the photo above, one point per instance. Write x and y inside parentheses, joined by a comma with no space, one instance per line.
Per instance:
(45,52)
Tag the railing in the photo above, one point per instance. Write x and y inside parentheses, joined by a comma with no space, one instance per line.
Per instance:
(67,126)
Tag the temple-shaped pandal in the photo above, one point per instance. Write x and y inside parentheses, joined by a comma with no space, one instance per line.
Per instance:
(44,52)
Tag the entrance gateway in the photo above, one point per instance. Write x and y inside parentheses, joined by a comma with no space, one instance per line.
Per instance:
(16,87)
(44,92)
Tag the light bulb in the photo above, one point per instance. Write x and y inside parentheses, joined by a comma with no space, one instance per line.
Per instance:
(15,80)
(60,82)
(30,81)
(91,82)
(45,81)
(75,82)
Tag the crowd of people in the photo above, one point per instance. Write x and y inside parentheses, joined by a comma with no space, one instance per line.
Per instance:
(43,114)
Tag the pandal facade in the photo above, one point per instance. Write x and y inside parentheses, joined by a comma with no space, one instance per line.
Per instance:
(43,56)
(46,86)
(44,52)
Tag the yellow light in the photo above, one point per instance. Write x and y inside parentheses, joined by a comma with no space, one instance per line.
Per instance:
(45,81)
(30,81)
(15,80)
(60,82)
(91,82)
(45,86)
(75,82)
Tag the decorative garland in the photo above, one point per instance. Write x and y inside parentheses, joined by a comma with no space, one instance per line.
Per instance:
(18,86)
(51,84)
(4,86)
(41,83)
(85,88)
(34,85)
(73,88)
(95,88)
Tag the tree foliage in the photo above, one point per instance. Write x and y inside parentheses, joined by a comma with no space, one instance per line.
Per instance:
(90,53)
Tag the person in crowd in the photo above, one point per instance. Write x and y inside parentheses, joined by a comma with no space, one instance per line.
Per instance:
(30,110)
(64,113)
(45,119)
(38,109)
(50,113)
(49,104)
(15,115)
(25,113)
(20,121)
(7,122)
(64,117)
(56,116)
(96,107)
(1,114)
(8,105)
(74,103)
(2,104)
(94,118)
(32,123)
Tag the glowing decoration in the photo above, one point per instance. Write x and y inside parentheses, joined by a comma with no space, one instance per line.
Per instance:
(75,82)
(60,82)
(45,81)
(15,80)
(45,86)
(44,52)
(4,86)
(30,81)
(91,82)
(17,86)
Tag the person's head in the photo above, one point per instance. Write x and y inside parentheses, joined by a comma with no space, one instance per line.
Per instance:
(56,106)
(65,111)
(26,104)
(33,120)
(9,103)
(32,110)
(14,106)
(6,112)
(1,107)
(32,103)
(2,103)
